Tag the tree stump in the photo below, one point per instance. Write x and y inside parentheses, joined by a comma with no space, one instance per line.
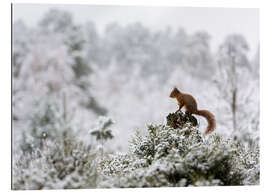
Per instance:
(179,119)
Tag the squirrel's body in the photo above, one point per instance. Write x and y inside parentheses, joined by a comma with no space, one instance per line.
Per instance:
(190,104)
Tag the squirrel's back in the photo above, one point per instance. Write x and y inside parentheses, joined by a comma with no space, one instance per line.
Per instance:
(190,103)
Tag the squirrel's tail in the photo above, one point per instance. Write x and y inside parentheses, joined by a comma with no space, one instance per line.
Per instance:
(210,119)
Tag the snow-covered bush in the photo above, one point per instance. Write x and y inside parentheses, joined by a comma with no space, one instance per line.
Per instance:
(53,157)
(181,156)
(49,119)
(63,163)
(102,132)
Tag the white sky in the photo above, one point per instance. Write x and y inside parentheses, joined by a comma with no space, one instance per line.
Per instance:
(218,22)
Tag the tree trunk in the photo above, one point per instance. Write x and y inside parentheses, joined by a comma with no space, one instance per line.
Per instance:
(234,94)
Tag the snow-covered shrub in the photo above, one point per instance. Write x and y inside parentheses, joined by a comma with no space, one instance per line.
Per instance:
(50,119)
(52,155)
(181,156)
(102,132)
(63,163)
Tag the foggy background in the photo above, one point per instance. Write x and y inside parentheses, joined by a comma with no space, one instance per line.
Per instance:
(122,62)
(219,22)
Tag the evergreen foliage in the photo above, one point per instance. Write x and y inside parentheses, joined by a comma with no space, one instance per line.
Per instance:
(181,156)
(165,157)
(65,163)
(101,132)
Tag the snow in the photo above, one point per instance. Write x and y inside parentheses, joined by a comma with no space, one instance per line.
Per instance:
(69,80)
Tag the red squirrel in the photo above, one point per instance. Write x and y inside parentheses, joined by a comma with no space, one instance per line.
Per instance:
(190,104)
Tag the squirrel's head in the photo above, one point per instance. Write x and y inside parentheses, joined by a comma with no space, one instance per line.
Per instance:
(174,93)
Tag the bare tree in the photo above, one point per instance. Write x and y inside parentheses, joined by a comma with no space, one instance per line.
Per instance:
(232,65)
